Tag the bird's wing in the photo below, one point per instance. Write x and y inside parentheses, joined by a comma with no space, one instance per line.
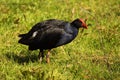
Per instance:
(47,32)
(50,38)
(47,24)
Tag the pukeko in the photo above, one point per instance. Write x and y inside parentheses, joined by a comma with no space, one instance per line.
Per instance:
(50,34)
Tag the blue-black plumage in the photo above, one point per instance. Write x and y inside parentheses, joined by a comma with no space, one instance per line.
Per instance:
(51,34)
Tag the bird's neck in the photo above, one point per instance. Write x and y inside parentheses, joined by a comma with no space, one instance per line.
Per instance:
(72,30)
(75,31)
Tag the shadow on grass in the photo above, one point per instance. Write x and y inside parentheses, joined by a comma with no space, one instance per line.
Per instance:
(21,58)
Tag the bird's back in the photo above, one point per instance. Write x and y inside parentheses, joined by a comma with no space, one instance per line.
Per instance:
(48,34)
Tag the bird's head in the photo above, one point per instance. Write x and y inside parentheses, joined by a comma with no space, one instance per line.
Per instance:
(80,23)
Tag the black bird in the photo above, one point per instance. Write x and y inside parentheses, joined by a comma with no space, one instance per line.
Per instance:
(50,34)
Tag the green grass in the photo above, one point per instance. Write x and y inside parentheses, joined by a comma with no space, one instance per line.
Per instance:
(93,55)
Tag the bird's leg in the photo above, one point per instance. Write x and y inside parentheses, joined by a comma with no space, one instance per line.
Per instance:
(41,55)
(47,57)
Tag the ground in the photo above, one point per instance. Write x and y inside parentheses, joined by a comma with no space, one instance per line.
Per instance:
(93,55)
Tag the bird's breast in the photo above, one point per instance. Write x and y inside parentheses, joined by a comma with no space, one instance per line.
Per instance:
(67,37)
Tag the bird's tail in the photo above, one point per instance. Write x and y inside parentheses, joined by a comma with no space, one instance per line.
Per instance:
(24,39)
(21,35)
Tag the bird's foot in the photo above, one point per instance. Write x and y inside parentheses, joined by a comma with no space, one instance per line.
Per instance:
(40,56)
(47,57)
(40,59)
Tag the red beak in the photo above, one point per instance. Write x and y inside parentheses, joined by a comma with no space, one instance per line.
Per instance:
(84,24)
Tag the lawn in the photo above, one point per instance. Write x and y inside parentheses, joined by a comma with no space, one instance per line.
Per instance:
(93,55)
